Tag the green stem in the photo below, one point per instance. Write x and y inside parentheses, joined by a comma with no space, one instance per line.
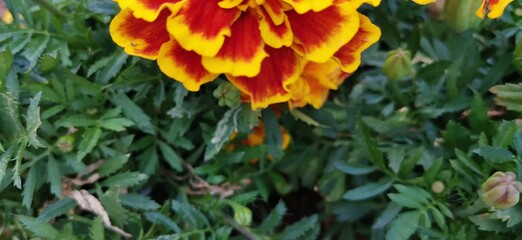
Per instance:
(51,8)
(396,93)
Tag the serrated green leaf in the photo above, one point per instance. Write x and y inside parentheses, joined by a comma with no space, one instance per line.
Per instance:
(353,169)
(305,118)
(138,202)
(273,137)
(478,116)
(505,135)
(33,121)
(97,230)
(225,127)
(369,190)
(274,218)
(124,180)
(444,210)
(4,160)
(112,205)
(403,226)
(113,164)
(116,124)
(391,211)
(29,187)
(495,154)
(172,158)
(298,229)
(467,161)
(119,58)
(439,218)
(39,228)
(134,113)
(6,63)
(54,176)
(404,200)
(89,140)
(56,209)
(34,49)
(156,217)
(368,144)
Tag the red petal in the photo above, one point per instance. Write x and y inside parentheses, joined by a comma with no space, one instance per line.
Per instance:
(139,37)
(201,26)
(280,69)
(183,66)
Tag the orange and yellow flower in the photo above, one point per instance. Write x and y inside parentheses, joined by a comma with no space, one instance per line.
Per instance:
(264,47)
(491,8)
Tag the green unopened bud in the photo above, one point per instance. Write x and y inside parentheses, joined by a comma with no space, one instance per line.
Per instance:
(397,64)
(65,143)
(460,14)
(437,187)
(501,190)
(227,95)
(517,58)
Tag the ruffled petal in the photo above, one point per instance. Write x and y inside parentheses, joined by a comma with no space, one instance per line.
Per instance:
(280,69)
(229,3)
(274,8)
(302,6)
(183,66)
(495,8)
(201,26)
(275,36)
(318,35)
(314,84)
(149,10)
(241,53)
(139,37)
(349,56)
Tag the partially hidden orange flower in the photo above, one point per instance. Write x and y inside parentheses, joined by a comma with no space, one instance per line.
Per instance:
(491,8)
(263,47)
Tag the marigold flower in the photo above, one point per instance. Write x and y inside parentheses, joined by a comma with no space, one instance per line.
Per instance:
(501,190)
(491,8)
(262,46)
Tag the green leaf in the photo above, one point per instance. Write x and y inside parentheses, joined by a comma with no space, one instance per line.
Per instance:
(39,228)
(403,226)
(138,202)
(33,121)
(467,161)
(369,190)
(298,229)
(34,49)
(225,127)
(495,154)
(305,118)
(97,230)
(439,218)
(505,135)
(242,214)
(116,124)
(404,200)
(353,169)
(368,144)
(190,214)
(56,209)
(274,218)
(134,112)
(6,63)
(156,217)
(118,58)
(113,164)
(391,211)
(124,180)
(4,160)
(54,176)
(30,186)
(172,158)
(89,140)
(273,137)
(478,116)
(509,95)
(112,205)
(456,136)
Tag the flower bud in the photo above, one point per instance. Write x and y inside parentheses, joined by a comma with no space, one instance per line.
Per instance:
(501,190)
(397,64)
(460,15)
(437,187)
(227,95)
(65,143)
